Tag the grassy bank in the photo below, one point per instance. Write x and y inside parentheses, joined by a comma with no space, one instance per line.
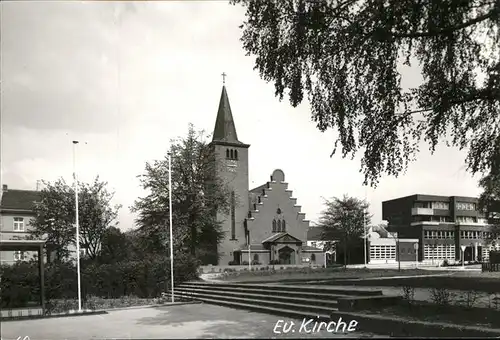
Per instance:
(456,281)
(308,274)
(430,312)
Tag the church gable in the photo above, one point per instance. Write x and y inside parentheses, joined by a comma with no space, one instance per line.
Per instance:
(274,211)
(282,238)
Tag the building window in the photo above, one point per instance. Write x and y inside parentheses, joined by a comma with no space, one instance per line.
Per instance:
(440,205)
(439,252)
(236,154)
(466,206)
(283,227)
(466,219)
(274,226)
(256,257)
(18,223)
(19,255)
(383,252)
(279,226)
(232,154)
(233,217)
(227,153)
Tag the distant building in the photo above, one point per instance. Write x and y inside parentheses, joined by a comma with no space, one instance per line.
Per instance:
(442,225)
(315,240)
(16,212)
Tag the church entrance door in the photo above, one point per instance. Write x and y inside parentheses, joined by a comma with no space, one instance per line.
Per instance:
(286,255)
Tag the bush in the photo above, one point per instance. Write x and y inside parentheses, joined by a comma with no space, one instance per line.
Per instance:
(409,294)
(147,277)
(469,298)
(441,296)
(445,263)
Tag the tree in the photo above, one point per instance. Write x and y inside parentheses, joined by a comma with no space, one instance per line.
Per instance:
(197,195)
(344,220)
(55,217)
(489,202)
(345,56)
(116,246)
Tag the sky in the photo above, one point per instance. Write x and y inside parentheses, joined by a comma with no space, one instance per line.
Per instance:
(126,78)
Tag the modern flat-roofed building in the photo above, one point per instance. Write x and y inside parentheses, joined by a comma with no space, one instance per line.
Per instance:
(442,224)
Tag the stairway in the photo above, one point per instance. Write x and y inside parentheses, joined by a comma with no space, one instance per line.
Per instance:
(286,300)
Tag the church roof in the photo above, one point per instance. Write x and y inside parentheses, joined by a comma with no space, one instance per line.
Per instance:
(258,189)
(278,236)
(315,234)
(225,129)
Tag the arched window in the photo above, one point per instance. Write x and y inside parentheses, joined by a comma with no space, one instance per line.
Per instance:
(274,226)
(279,226)
(232,154)
(313,257)
(227,153)
(235,154)
(283,226)
(256,257)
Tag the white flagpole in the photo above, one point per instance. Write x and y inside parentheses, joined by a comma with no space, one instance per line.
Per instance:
(77,223)
(365,241)
(170,217)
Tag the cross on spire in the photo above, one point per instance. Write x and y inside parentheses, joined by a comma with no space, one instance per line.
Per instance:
(224,78)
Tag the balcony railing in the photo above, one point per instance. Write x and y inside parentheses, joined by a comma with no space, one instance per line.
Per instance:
(422,211)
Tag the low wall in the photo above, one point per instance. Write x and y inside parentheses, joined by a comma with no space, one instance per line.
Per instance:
(382,324)
(354,303)
(221,269)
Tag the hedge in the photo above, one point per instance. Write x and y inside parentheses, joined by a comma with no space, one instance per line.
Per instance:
(144,278)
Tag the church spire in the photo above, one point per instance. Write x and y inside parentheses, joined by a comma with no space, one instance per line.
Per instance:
(225,130)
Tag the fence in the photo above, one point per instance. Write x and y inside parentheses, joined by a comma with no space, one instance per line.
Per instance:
(491,267)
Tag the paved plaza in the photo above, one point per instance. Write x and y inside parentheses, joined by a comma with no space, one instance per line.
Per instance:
(169,322)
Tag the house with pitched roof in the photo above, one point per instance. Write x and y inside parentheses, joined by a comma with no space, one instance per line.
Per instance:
(265,225)
(16,211)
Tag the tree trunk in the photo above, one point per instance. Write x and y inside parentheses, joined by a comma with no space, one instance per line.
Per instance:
(345,254)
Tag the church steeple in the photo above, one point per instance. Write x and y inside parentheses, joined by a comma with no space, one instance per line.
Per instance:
(225,130)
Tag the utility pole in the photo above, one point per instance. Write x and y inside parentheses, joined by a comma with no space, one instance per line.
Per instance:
(365,237)
(77,224)
(170,218)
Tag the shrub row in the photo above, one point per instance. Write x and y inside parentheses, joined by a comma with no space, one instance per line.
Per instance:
(144,278)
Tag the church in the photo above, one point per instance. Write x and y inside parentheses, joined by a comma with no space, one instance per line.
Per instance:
(265,225)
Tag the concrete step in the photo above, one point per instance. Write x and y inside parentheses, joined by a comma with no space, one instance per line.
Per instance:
(265,309)
(273,292)
(327,301)
(308,309)
(288,288)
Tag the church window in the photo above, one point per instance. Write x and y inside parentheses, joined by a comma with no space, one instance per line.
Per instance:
(274,226)
(233,217)
(279,226)
(283,226)
(227,153)
(232,154)
(236,154)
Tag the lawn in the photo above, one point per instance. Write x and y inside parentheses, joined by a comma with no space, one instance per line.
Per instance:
(472,281)
(308,274)
(431,312)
